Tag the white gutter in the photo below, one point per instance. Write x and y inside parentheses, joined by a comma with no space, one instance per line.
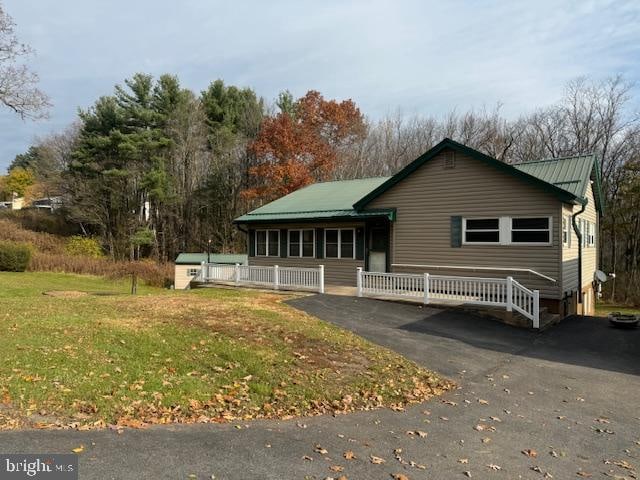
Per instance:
(473,269)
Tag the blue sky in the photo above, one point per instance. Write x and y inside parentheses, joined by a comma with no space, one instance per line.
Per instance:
(422,57)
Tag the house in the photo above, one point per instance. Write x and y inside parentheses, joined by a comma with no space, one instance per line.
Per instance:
(16,203)
(187,265)
(47,203)
(452,211)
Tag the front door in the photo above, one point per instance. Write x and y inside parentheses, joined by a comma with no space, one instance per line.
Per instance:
(378,247)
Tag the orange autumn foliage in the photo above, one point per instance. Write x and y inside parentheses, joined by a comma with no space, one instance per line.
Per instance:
(294,150)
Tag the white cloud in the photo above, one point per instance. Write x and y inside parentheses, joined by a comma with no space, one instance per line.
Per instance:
(422,57)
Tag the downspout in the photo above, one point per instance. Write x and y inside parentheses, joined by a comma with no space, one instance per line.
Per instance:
(579,235)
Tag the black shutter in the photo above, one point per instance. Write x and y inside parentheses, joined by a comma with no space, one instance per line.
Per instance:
(251,242)
(283,242)
(360,243)
(456,232)
(319,242)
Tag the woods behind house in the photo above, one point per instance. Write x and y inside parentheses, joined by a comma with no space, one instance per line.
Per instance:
(155,169)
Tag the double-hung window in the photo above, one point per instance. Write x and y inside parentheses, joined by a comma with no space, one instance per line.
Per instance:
(192,272)
(566,230)
(531,230)
(339,243)
(481,230)
(509,231)
(591,234)
(302,243)
(267,243)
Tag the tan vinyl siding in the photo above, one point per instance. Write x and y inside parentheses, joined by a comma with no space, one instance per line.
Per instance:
(181,280)
(337,271)
(589,254)
(427,199)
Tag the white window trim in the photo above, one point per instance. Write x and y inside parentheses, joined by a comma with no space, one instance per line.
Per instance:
(192,271)
(255,239)
(339,230)
(505,227)
(591,234)
(300,230)
(566,228)
(532,244)
(464,230)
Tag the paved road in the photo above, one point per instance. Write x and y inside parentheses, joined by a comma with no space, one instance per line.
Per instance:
(571,394)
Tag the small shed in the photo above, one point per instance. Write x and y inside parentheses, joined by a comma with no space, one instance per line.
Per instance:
(188,265)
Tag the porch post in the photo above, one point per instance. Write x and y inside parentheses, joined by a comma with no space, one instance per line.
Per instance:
(275,277)
(426,288)
(236,274)
(321,278)
(536,309)
(509,294)
(203,275)
(359,281)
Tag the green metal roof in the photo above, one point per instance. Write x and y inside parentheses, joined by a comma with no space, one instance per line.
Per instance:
(572,174)
(447,143)
(567,178)
(569,173)
(326,200)
(198,258)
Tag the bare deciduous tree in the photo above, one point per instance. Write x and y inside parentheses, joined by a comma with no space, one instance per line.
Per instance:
(18,84)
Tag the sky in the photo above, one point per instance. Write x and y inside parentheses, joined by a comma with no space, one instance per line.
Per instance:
(417,57)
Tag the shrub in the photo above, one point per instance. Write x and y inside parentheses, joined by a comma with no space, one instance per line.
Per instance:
(37,220)
(86,246)
(151,273)
(43,242)
(14,257)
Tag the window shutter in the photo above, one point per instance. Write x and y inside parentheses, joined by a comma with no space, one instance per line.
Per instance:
(251,242)
(319,242)
(456,232)
(283,242)
(360,243)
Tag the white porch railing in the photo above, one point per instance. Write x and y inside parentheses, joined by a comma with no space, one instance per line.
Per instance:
(276,277)
(496,292)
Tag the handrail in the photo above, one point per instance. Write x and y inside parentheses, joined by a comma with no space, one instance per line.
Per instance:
(497,292)
(460,267)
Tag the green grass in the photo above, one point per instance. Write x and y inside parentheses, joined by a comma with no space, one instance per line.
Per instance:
(106,357)
(605,308)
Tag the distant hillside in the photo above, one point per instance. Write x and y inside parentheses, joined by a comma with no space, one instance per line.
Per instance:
(50,254)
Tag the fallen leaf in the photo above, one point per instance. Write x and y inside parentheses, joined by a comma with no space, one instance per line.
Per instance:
(530,453)
(623,464)
(349,455)
(467,473)
(463,460)
(493,466)
(336,468)
(377,460)
(583,474)
(320,450)
(79,449)
(399,476)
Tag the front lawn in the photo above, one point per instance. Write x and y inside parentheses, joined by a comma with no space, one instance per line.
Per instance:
(604,308)
(87,355)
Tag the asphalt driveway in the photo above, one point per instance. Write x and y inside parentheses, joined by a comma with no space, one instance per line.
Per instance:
(567,397)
